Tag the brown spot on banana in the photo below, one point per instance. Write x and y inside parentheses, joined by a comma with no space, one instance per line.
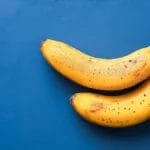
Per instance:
(129,109)
(97,107)
(97,73)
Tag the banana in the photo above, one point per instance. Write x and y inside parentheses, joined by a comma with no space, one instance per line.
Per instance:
(97,73)
(114,111)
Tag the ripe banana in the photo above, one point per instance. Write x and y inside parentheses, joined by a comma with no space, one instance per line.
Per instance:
(97,73)
(115,111)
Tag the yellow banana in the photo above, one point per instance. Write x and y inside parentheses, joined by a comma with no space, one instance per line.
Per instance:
(114,111)
(97,73)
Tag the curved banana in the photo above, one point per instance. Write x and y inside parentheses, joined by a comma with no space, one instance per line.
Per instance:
(97,73)
(114,111)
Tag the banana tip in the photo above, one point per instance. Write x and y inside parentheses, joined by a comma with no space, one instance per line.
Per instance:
(72,99)
(42,43)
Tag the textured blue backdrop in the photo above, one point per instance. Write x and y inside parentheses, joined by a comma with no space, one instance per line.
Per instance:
(35,112)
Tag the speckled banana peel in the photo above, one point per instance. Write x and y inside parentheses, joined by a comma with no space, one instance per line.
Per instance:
(114,111)
(97,73)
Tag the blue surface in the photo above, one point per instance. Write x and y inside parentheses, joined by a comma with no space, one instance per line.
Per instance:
(35,111)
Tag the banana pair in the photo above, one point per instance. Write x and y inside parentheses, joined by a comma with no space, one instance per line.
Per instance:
(105,74)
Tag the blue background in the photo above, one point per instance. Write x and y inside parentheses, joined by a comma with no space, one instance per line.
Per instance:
(35,111)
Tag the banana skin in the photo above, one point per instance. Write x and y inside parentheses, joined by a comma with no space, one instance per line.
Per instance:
(97,73)
(114,111)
